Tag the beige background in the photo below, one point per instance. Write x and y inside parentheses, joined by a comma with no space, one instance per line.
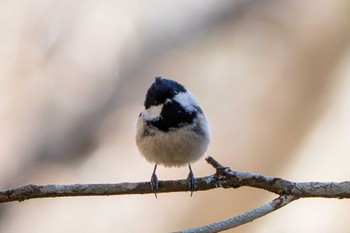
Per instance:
(273,78)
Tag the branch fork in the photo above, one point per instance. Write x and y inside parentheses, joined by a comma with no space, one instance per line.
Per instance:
(224,177)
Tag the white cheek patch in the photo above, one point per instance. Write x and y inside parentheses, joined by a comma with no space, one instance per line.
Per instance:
(187,100)
(152,113)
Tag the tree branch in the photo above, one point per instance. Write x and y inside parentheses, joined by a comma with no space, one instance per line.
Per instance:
(243,218)
(228,178)
(224,177)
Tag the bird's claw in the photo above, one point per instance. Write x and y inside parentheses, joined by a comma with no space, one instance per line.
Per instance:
(154,182)
(191,181)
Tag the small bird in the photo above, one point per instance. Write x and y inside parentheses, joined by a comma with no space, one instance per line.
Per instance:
(172,129)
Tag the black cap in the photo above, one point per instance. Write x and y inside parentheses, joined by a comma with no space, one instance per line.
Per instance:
(161,90)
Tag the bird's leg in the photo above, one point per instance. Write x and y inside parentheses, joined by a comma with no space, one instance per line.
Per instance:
(154,181)
(191,180)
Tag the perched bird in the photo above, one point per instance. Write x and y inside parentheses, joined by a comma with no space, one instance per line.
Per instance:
(172,129)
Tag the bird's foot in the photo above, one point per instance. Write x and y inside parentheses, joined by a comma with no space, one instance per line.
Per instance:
(191,181)
(154,182)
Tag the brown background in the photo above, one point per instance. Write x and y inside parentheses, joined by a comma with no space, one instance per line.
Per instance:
(273,78)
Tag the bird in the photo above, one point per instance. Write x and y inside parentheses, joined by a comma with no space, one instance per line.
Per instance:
(171,129)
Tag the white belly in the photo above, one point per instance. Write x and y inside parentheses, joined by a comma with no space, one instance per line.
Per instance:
(173,148)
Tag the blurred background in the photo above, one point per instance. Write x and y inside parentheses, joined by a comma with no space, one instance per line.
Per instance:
(273,78)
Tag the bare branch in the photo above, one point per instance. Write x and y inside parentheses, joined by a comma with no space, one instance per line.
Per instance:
(224,177)
(243,218)
(228,178)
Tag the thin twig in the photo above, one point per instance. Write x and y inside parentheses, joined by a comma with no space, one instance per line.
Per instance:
(243,218)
